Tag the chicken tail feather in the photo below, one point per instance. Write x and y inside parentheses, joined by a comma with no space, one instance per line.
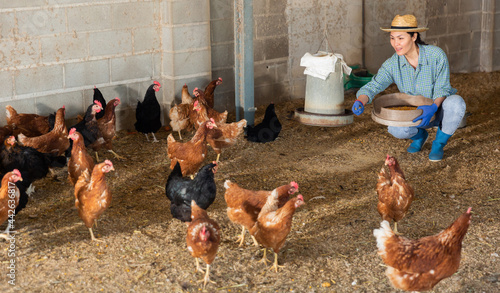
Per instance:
(227,184)
(383,234)
(170,138)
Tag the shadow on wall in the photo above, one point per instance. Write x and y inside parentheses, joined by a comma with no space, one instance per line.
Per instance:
(272,92)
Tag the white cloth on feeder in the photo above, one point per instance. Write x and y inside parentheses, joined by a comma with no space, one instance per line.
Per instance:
(321,64)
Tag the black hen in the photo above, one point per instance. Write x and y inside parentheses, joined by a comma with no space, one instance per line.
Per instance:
(23,187)
(181,190)
(32,164)
(268,130)
(88,126)
(52,121)
(99,97)
(148,112)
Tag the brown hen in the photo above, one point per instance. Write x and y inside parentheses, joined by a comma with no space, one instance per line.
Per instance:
(92,194)
(9,199)
(54,142)
(29,124)
(179,117)
(224,135)
(203,239)
(204,110)
(107,129)
(80,160)
(190,154)
(209,92)
(274,223)
(418,265)
(185,96)
(394,193)
(244,205)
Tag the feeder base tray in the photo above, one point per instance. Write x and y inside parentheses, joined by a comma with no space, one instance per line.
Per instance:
(324,120)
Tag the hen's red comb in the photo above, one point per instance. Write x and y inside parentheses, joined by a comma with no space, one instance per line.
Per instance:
(108,162)
(157,83)
(294,185)
(98,103)
(469,210)
(212,120)
(195,104)
(11,140)
(72,130)
(220,78)
(300,197)
(16,172)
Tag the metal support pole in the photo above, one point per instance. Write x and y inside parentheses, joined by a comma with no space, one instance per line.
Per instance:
(243,60)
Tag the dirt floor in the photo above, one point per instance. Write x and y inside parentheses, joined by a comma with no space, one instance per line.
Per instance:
(331,247)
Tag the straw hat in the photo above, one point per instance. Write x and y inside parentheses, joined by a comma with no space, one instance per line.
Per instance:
(405,23)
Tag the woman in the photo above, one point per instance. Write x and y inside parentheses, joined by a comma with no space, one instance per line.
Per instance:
(417,69)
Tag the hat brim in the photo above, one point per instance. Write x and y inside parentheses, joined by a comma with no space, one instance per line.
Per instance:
(415,30)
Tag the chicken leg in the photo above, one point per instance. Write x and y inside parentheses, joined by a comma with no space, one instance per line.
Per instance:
(264,258)
(116,155)
(30,190)
(275,265)
(6,235)
(218,156)
(207,277)
(396,228)
(180,136)
(198,268)
(255,241)
(241,237)
(92,236)
(154,137)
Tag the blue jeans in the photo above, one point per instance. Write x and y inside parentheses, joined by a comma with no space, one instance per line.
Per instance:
(448,118)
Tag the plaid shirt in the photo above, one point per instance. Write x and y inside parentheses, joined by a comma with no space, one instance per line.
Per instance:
(430,79)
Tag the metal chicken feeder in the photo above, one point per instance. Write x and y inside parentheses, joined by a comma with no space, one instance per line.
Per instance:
(324,101)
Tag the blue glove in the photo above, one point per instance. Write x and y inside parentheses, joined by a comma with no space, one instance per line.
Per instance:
(358,107)
(427,112)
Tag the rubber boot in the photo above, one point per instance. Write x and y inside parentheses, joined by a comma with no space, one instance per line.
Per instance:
(438,144)
(418,141)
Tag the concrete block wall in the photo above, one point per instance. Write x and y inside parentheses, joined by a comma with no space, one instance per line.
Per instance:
(222,45)
(377,46)
(186,50)
(54,52)
(496,37)
(308,21)
(271,51)
(466,30)
(458,27)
